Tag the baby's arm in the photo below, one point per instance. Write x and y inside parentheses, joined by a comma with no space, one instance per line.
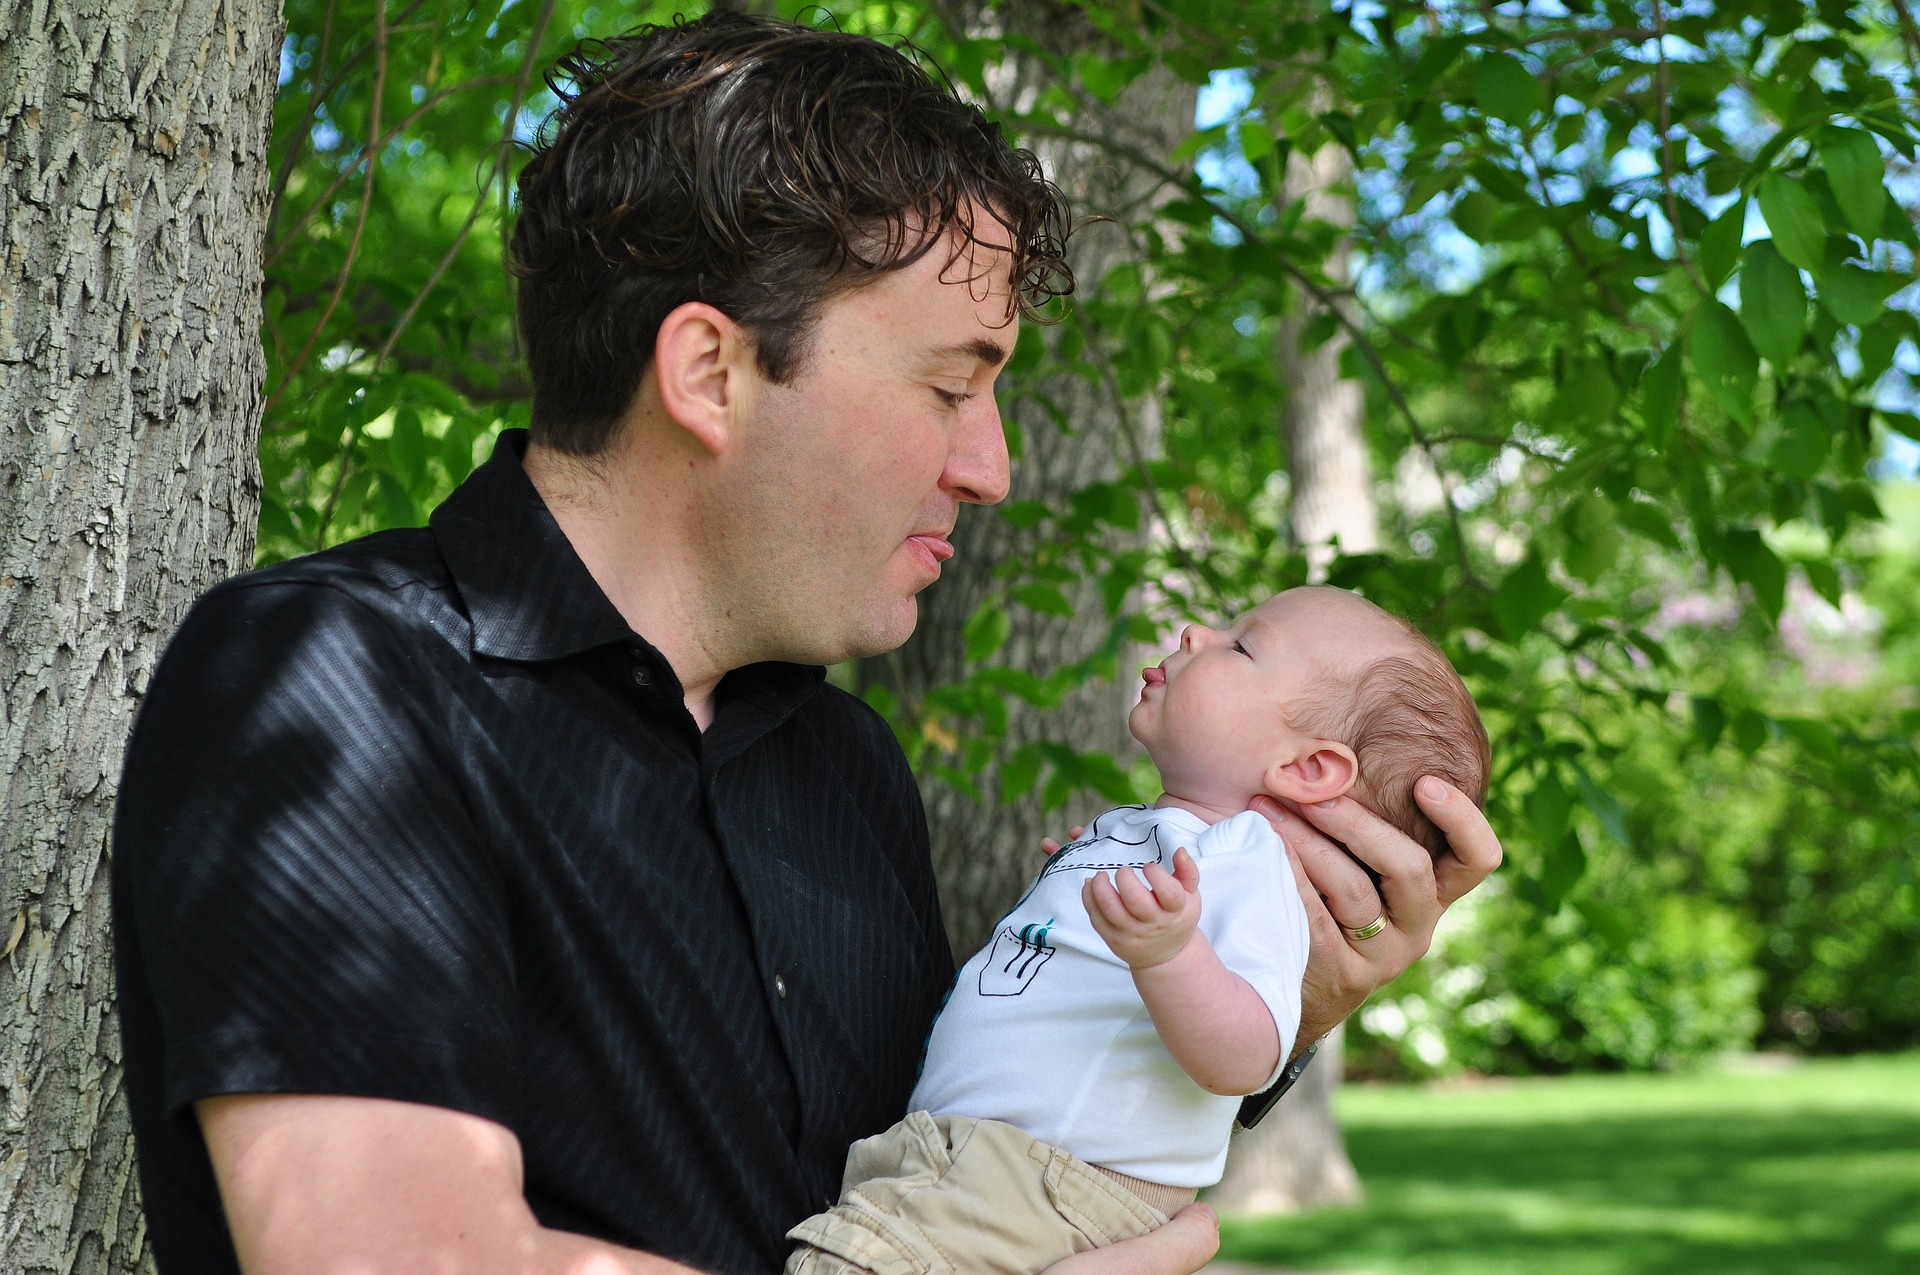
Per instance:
(1211,1020)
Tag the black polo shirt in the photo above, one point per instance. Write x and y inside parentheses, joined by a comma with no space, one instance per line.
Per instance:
(422,818)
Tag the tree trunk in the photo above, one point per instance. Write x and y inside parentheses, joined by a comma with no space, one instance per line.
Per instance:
(984,852)
(1332,477)
(136,194)
(1296,1158)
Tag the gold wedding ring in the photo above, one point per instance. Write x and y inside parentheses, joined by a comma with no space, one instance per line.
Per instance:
(1371,928)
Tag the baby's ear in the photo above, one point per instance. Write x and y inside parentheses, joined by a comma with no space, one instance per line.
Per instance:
(1325,769)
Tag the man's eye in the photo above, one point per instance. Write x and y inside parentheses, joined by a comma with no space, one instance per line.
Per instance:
(950,398)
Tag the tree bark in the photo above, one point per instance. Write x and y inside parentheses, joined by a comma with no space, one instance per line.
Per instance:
(1296,1157)
(1327,462)
(135,135)
(985,852)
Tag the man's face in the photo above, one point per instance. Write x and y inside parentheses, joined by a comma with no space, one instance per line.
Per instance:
(851,475)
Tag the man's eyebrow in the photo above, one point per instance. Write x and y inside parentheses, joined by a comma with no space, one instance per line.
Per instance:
(992,353)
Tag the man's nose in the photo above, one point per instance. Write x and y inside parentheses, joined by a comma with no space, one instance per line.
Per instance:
(979,470)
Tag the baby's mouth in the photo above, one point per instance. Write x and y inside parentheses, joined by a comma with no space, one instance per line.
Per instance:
(1154,675)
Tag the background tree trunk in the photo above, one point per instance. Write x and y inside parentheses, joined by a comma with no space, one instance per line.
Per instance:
(1296,1157)
(985,853)
(135,136)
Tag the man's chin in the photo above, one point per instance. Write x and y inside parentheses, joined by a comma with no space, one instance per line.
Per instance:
(883,631)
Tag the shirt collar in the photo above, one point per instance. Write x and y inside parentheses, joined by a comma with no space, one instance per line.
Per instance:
(530,598)
(527,592)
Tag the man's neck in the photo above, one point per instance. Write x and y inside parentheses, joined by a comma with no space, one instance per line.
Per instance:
(636,547)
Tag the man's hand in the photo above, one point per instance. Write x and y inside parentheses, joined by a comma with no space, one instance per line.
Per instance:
(318,1184)
(1146,925)
(1415,888)
(1181,1247)
(1328,843)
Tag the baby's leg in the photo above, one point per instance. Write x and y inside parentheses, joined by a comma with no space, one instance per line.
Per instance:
(951,1195)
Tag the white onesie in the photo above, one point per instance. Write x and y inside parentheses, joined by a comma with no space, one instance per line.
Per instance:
(1046,1031)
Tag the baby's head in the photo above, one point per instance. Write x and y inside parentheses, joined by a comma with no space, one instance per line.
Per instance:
(1313,694)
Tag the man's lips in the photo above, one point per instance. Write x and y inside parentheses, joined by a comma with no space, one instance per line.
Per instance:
(933,548)
(937,545)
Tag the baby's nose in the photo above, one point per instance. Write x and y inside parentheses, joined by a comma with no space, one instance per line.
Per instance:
(1195,636)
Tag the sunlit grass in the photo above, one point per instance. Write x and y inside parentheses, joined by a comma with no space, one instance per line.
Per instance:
(1808,1170)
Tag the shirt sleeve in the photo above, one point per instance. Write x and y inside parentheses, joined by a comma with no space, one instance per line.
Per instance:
(300,877)
(1250,910)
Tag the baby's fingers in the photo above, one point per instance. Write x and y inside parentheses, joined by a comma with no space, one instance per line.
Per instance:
(1186,871)
(1167,890)
(1104,907)
(1139,900)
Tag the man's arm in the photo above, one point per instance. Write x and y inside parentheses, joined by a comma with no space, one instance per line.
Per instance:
(319,1185)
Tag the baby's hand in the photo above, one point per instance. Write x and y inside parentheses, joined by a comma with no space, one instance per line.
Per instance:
(1143,926)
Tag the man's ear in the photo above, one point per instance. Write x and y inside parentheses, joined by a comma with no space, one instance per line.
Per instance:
(699,359)
(1325,769)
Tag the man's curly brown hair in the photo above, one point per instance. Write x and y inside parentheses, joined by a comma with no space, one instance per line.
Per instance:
(760,167)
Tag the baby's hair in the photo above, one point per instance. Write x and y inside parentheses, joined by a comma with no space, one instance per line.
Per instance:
(1405,715)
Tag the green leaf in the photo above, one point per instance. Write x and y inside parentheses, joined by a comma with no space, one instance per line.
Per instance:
(1524,598)
(1473,213)
(986,632)
(1794,218)
(1593,538)
(393,505)
(1720,243)
(1801,449)
(1709,720)
(1018,773)
(1815,736)
(1566,863)
(1725,359)
(1587,395)
(1025,513)
(1857,174)
(1047,599)
(1750,730)
(1609,922)
(408,447)
(1851,294)
(1505,89)
(1650,521)
(1549,807)
(1605,806)
(1751,560)
(1773,303)
(1660,397)
(1825,579)
(1256,140)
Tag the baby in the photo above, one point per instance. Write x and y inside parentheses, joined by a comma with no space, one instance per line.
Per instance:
(1081,1083)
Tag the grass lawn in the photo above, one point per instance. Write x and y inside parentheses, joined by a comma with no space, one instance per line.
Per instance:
(1808,1170)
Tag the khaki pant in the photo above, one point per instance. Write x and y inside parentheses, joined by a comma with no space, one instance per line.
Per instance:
(952,1195)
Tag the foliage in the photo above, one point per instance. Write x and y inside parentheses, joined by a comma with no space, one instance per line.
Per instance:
(1808,1169)
(1624,322)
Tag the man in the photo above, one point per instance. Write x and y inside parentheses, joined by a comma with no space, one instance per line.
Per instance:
(511,894)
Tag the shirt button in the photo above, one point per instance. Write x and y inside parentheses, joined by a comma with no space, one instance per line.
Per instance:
(780,986)
(643,676)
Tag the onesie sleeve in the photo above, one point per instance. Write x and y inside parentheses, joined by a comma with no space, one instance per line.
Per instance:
(1250,910)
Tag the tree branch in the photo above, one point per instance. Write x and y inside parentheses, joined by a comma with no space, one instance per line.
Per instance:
(366,204)
(501,151)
